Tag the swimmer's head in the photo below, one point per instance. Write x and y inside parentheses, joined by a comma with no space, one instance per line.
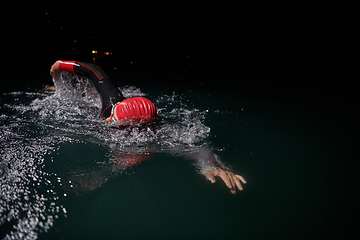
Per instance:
(132,111)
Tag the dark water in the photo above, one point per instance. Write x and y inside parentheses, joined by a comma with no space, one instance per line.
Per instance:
(60,178)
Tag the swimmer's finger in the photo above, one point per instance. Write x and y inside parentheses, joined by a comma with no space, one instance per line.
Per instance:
(226,179)
(53,73)
(237,182)
(233,183)
(210,177)
(241,179)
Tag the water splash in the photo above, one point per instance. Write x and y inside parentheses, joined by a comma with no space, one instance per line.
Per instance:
(28,202)
(34,126)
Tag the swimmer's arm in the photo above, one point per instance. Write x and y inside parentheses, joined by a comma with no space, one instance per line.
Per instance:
(60,65)
(95,73)
(210,166)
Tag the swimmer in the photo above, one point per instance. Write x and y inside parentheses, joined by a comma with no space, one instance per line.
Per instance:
(116,108)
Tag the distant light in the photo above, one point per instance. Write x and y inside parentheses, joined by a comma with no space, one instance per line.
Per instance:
(94,51)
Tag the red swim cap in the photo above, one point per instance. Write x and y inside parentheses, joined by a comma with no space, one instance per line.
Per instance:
(137,109)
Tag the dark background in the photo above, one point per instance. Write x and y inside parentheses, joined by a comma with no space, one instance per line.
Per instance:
(291,56)
(252,46)
(292,53)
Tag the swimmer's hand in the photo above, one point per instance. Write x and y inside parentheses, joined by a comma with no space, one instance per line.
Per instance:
(230,179)
(49,89)
(54,70)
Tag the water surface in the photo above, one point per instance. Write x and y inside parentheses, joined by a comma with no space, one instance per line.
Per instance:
(62,173)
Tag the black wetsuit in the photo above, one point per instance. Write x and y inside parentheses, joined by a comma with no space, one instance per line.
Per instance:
(107,89)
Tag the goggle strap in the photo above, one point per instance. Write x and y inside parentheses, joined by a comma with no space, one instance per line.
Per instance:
(112,110)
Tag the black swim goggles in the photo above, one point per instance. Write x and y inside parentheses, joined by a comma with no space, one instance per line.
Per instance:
(112,112)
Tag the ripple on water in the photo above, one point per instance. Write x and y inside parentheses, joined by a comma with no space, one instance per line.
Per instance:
(34,125)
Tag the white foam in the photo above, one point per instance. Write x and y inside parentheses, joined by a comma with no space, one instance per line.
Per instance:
(39,123)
